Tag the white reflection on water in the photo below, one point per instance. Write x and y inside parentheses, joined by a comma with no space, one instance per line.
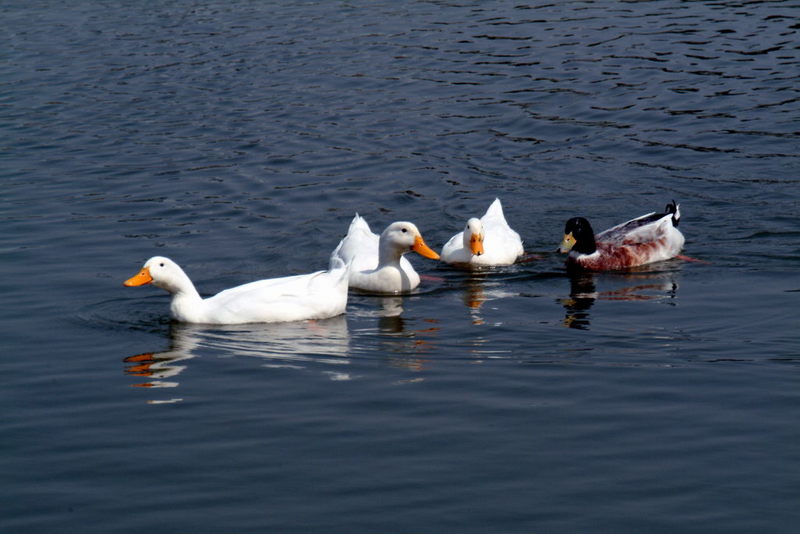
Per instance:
(287,345)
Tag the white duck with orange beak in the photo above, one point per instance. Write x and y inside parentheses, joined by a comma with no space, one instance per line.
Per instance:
(376,262)
(317,295)
(488,241)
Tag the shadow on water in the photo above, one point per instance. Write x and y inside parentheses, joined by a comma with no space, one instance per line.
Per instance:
(644,285)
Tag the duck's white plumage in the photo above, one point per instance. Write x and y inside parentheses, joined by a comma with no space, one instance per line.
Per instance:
(488,241)
(376,262)
(316,295)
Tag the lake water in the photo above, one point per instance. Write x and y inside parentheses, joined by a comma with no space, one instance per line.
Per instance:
(239,138)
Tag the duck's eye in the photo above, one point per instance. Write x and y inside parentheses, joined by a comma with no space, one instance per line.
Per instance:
(404,230)
(160,264)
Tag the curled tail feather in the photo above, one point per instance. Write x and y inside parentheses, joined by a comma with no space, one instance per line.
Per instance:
(675,209)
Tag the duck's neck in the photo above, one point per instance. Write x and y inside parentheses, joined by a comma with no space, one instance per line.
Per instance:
(185,305)
(186,301)
(389,255)
(586,245)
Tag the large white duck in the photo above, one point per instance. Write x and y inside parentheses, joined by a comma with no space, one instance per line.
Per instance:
(487,241)
(376,262)
(317,295)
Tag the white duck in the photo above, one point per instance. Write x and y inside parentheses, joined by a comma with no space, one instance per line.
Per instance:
(376,263)
(487,241)
(292,298)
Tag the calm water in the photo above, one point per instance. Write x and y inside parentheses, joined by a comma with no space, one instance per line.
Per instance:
(240,137)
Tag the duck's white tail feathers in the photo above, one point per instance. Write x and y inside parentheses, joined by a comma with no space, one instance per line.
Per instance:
(338,264)
(494,211)
(335,257)
(358,222)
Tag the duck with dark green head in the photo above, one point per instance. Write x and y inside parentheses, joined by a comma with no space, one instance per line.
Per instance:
(650,238)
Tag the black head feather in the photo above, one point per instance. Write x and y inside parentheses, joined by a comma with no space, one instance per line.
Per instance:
(582,231)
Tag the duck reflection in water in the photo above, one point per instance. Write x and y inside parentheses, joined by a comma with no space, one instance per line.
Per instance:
(397,338)
(480,289)
(158,366)
(292,344)
(390,316)
(645,285)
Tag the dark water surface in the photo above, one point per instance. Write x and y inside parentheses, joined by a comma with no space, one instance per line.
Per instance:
(239,138)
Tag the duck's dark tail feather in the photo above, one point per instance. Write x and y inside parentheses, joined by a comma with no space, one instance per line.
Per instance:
(675,209)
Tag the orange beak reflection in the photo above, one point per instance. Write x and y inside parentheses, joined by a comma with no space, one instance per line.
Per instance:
(476,244)
(142,278)
(422,249)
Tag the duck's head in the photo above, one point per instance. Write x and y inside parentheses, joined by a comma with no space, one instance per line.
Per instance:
(161,272)
(473,236)
(405,237)
(578,236)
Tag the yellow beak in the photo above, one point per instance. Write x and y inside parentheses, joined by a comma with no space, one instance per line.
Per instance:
(422,249)
(476,244)
(567,243)
(142,278)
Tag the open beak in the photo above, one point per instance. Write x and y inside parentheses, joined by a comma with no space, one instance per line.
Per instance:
(142,278)
(567,243)
(422,249)
(476,244)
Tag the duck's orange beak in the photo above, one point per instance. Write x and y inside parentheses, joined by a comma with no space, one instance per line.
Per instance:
(422,249)
(142,278)
(476,244)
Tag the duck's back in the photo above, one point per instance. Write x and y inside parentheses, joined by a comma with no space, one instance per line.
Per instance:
(638,230)
(647,228)
(502,245)
(292,298)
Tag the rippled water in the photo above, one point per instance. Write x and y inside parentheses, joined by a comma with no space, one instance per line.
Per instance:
(239,138)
